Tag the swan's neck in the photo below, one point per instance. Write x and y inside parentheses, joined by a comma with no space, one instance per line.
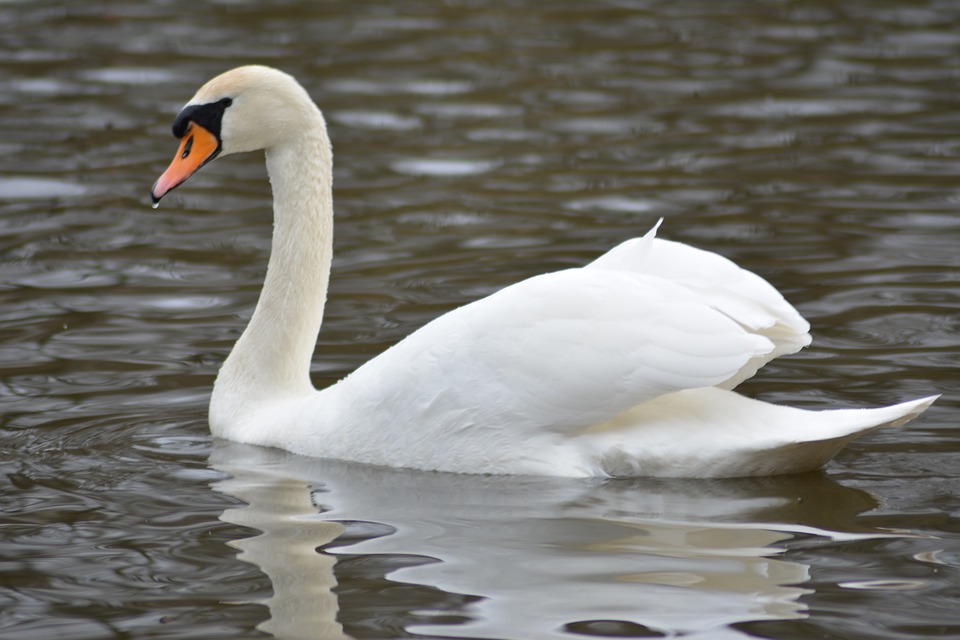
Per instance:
(271,360)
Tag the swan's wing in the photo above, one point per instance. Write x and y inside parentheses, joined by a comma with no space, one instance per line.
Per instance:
(740,294)
(562,351)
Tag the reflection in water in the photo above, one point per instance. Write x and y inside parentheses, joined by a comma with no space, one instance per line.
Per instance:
(302,605)
(539,557)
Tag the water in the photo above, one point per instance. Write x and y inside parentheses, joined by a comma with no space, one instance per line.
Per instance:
(816,143)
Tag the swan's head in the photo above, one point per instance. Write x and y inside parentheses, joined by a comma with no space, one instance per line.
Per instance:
(244,109)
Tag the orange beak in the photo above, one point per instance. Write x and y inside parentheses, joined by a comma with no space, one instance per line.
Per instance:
(197,147)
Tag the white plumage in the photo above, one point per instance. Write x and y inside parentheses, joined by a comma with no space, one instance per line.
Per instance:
(623,367)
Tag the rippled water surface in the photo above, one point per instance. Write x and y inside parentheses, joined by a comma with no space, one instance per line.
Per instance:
(817,143)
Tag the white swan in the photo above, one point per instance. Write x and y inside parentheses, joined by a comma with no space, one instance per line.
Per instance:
(620,368)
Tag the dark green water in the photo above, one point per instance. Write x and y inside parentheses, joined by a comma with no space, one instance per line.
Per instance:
(816,143)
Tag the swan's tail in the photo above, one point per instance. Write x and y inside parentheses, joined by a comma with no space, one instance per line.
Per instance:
(838,428)
(713,433)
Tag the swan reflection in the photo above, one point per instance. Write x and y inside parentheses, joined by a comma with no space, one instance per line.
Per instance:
(352,546)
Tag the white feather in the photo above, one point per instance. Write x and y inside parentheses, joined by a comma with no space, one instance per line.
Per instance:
(618,368)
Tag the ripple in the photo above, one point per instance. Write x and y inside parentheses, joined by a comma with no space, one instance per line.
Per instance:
(469,110)
(443,167)
(812,108)
(884,585)
(35,188)
(611,629)
(505,135)
(441,220)
(618,204)
(40,86)
(394,86)
(377,120)
(180,302)
(131,75)
(606,125)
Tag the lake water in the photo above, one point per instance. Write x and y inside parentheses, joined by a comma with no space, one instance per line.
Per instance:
(816,143)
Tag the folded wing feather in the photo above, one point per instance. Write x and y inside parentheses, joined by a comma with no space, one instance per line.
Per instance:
(562,351)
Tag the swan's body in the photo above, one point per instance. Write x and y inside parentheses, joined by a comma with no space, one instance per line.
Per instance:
(623,367)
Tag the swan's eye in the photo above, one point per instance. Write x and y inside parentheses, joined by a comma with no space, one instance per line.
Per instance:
(208,115)
(186,148)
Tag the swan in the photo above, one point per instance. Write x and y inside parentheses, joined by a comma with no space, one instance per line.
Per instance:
(624,367)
